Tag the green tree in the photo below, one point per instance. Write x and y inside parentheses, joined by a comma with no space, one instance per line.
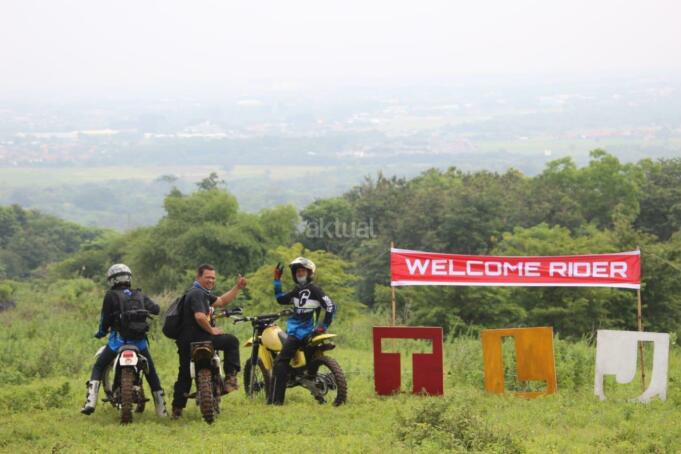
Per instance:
(661,198)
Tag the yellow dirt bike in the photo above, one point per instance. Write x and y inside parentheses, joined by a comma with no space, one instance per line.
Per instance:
(311,367)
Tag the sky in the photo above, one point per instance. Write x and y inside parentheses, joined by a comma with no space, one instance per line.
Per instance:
(95,45)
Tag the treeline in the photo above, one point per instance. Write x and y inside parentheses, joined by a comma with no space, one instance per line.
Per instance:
(605,206)
(30,239)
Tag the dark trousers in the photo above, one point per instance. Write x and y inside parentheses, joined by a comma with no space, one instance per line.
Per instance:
(281,369)
(228,343)
(109,355)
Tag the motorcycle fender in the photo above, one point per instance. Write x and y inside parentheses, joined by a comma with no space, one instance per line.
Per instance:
(321,338)
(100,351)
(144,365)
(266,358)
(216,361)
(128,360)
(298,360)
(192,369)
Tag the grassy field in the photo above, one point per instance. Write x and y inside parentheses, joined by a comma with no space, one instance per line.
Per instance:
(46,349)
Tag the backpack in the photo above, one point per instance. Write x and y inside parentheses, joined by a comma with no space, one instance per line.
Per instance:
(172,321)
(132,316)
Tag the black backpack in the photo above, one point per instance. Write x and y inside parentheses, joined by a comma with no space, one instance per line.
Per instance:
(132,316)
(172,322)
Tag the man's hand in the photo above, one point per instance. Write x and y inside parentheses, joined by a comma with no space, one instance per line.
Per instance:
(319,330)
(278,271)
(216,331)
(241,282)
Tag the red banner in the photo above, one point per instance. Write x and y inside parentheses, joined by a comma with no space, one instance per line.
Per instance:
(622,270)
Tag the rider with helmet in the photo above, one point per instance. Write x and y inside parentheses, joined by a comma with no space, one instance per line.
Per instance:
(119,278)
(307,299)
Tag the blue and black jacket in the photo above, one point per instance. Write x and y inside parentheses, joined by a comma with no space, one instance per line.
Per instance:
(307,300)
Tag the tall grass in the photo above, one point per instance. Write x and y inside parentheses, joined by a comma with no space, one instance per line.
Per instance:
(47,348)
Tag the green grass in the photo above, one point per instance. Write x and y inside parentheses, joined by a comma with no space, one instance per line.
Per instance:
(46,349)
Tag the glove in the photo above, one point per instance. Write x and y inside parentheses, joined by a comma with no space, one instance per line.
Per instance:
(278,271)
(319,330)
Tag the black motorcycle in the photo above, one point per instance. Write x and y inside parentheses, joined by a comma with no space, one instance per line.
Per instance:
(207,372)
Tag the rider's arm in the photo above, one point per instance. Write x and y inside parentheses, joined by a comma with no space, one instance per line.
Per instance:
(204,322)
(328,306)
(229,296)
(282,298)
(152,307)
(105,317)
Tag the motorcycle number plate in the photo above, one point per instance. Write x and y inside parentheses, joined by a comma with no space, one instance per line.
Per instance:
(127,360)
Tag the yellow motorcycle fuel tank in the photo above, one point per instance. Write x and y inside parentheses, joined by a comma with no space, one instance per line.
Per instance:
(270,338)
(272,341)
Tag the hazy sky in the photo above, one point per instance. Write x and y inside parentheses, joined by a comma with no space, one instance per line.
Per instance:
(88,44)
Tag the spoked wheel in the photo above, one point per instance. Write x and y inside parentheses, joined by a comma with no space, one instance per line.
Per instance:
(205,395)
(127,383)
(256,381)
(329,380)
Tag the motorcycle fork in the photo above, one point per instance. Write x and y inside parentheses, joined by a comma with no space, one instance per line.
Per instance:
(255,350)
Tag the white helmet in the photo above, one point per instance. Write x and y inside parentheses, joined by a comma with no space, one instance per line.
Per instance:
(119,274)
(302,262)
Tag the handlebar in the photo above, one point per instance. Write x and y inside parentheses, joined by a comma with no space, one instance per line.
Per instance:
(272,317)
(228,312)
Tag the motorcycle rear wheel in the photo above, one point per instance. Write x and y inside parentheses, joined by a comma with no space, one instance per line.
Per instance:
(205,395)
(127,382)
(330,375)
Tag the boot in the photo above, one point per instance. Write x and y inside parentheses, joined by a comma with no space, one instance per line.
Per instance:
(177,413)
(231,383)
(160,404)
(90,397)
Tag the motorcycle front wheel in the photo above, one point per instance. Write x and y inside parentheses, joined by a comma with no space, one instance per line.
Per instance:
(329,380)
(256,381)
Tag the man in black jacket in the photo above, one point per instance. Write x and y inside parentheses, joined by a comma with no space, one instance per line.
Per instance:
(196,327)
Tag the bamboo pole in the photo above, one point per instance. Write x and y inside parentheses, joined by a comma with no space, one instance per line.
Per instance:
(392,288)
(639,319)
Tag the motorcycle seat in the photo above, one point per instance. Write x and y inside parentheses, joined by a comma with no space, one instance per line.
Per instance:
(129,347)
